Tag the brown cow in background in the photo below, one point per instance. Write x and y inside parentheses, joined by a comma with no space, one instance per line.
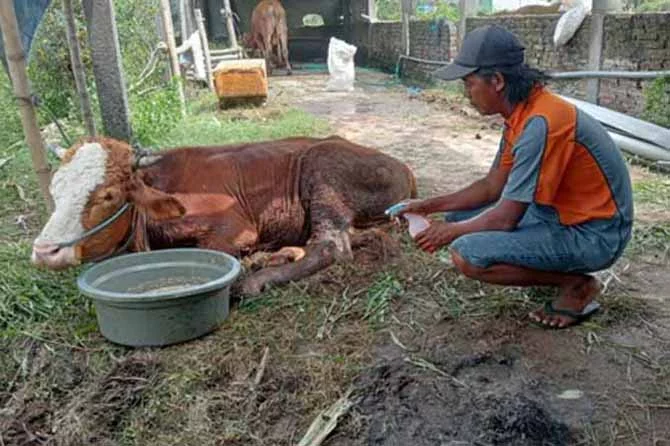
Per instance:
(269,33)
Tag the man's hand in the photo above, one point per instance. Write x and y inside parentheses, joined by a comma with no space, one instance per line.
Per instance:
(406,207)
(437,235)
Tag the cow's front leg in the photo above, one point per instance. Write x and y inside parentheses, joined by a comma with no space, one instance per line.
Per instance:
(261,259)
(286,255)
(319,253)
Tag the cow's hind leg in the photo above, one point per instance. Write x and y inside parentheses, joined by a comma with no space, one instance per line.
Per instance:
(283,50)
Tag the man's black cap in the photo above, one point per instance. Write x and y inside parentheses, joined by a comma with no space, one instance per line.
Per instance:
(484,47)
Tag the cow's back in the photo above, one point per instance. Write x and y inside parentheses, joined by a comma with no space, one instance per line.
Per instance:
(262,179)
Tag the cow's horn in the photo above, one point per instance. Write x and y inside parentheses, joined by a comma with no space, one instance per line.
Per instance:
(145,159)
(57,150)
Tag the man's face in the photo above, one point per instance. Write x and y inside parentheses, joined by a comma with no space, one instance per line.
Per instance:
(484,94)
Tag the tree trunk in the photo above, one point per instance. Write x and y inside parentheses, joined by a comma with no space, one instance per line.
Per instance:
(78,68)
(16,61)
(107,68)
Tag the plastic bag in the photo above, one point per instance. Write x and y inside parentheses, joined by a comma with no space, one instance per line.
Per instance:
(569,23)
(341,65)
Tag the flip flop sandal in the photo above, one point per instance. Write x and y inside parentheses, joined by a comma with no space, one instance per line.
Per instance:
(578,317)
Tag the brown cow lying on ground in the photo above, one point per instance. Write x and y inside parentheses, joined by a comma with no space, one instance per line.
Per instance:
(269,34)
(299,196)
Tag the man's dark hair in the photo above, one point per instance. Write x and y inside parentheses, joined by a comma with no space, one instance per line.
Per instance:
(519,80)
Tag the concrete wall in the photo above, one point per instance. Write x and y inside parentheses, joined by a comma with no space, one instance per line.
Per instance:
(631,42)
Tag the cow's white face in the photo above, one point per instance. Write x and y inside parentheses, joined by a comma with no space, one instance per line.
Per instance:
(71,187)
(92,184)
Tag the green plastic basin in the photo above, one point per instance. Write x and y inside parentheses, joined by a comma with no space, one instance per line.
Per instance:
(160,297)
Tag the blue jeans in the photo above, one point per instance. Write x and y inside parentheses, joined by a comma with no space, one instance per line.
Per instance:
(541,242)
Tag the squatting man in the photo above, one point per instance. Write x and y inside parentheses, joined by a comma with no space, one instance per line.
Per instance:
(557,202)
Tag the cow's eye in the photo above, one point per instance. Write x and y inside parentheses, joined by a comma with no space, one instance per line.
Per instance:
(108,196)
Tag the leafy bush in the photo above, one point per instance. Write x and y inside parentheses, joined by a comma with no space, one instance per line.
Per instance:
(653,6)
(154,113)
(10,130)
(49,69)
(657,102)
(441,10)
(424,10)
(52,79)
(388,9)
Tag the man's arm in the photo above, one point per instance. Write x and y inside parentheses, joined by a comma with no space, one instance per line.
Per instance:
(480,193)
(517,193)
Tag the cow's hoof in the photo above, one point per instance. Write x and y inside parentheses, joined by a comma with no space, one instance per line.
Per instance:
(251,287)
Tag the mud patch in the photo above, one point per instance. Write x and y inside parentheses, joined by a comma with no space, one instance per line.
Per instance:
(401,403)
(95,414)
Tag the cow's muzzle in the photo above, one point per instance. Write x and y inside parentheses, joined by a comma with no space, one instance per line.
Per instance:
(53,256)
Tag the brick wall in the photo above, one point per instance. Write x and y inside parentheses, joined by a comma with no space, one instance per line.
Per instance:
(630,42)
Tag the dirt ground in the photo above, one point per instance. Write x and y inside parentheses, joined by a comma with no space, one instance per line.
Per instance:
(418,354)
(498,381)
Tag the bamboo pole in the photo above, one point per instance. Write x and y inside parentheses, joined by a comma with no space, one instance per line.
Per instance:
(78,68)
(16,61)
(172,50)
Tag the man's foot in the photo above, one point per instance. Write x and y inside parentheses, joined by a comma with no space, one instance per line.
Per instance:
(573,306)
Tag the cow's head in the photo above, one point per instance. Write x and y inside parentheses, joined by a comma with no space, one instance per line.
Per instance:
(97,195)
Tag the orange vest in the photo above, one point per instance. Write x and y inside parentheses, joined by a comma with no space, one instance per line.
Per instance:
(570,178)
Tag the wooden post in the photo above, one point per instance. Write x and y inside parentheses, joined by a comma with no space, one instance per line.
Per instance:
(78,68)
(405,11)
(107,69)
(16,61)
(172,51)
(227,13)
(595,48)
(205,48)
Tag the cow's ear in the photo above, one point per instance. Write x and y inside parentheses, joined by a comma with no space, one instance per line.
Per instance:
(156,204)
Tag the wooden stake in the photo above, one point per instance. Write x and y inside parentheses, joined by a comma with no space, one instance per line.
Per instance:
(172,50)
(205,48)
(16,60)
(78,68)
(405,11)
(326,422)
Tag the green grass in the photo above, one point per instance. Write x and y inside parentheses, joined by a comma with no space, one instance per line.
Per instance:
(379,296)
(655,191)
(28,294)
(211,126)
(652,195)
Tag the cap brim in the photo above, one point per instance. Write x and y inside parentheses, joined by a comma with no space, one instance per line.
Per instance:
(453,71)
